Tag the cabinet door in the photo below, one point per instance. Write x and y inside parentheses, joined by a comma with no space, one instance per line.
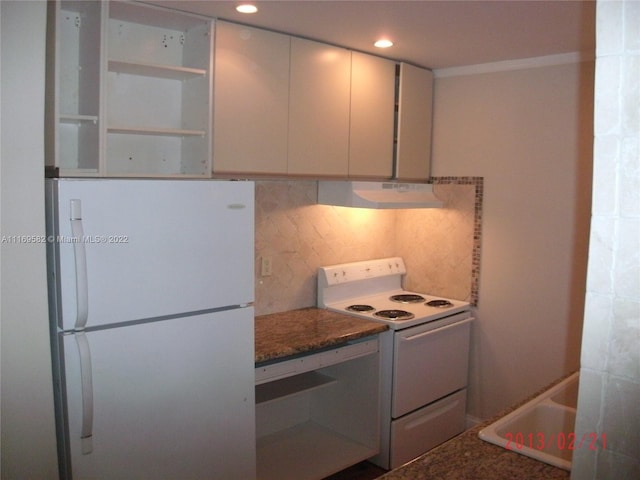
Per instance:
(319,106)
(372,111)
(414,123)
(251,100)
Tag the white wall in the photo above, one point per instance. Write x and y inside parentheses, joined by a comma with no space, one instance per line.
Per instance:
(610,364)
(28,438)
(528,132)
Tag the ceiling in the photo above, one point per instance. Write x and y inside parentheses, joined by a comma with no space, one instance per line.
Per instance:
(430,33)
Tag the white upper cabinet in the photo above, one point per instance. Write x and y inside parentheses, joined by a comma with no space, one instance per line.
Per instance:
(319,106)
(415,103)
(251,100)
(289,106)
(372,116)
(130,90)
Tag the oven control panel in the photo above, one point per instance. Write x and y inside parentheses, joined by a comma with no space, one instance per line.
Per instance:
(352,272)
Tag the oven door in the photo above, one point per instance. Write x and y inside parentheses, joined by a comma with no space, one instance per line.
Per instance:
(430,362)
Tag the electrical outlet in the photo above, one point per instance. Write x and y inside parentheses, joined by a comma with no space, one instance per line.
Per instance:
(267,265)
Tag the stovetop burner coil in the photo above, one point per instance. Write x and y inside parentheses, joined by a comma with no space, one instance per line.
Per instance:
(394,314)
(407,298)
(360,308)
(440,303)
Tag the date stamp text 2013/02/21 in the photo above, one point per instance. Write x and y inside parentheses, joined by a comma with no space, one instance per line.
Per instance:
(561,441)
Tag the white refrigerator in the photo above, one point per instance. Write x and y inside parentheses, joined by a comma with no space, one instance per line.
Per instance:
(151,304)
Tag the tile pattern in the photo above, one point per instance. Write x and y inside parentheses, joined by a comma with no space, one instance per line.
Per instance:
(610,358)
(448,260)
(301,236)
(441,246)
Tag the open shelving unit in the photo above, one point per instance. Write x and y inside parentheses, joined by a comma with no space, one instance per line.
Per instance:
(158,92)
(133,89)
(74,48)
(320,415)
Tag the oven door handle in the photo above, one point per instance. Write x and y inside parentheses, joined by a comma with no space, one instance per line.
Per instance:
(417,336)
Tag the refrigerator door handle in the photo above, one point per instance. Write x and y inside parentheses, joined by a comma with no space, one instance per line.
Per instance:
(86,381)
(80,255)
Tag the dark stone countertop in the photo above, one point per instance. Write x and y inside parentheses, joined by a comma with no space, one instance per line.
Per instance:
(280,335)
(466,457)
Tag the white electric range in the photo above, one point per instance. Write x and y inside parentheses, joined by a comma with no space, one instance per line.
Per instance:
(424,355)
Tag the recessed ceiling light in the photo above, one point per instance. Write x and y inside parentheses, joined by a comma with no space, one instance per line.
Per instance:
(383,43)
(247,8)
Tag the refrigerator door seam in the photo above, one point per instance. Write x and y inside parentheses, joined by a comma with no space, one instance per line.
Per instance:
(129,323)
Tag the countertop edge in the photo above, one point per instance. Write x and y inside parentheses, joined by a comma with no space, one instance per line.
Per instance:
(303,331)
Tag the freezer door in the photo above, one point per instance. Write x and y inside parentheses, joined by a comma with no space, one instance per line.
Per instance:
(135,249)
(172,399)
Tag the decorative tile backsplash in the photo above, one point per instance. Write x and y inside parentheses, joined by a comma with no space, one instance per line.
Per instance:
(440,246)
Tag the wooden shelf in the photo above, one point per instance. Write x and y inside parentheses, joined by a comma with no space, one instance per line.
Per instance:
(73,118)
(152,15)
(78,172)
(279,389)
(156,71)
(163,132)
(302,452)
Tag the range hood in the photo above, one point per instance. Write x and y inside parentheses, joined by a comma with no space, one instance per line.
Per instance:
(377,194)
